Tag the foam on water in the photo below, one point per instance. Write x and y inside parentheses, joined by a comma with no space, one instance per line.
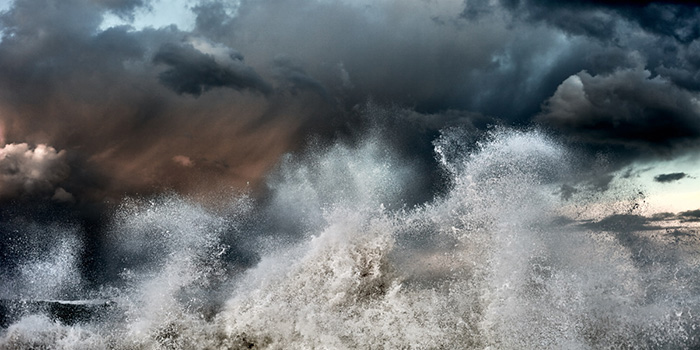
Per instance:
(489,265)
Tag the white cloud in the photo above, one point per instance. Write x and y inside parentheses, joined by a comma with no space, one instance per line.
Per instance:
(27,171)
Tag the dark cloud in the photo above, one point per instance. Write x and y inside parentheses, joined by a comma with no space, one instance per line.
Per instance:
(628,108)
(194,72)
(636,96)
(663,178)
(602,19)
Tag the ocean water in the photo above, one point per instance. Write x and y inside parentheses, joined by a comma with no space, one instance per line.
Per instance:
(333,258)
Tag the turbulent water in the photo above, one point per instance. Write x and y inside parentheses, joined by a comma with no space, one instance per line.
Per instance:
(332,258)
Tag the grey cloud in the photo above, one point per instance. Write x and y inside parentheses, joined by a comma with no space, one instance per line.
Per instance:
(194,72)
(664,178)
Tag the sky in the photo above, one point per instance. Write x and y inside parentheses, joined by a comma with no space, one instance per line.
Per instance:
(100,99)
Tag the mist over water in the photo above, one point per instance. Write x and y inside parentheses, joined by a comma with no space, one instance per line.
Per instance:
(334,257)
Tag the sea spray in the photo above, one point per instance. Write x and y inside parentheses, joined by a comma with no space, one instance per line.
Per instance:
(490,264)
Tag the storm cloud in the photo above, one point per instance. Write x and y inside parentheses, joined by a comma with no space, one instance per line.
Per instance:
(143,110)
(628,107)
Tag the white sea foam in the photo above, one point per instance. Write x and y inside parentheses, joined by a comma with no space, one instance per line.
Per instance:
(489,265)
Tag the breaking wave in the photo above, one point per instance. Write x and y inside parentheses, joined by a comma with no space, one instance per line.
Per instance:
(333,258)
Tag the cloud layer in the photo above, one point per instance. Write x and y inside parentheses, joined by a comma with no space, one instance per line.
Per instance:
(141,111)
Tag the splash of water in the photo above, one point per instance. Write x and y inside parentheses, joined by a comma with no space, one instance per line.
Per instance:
(338,262)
